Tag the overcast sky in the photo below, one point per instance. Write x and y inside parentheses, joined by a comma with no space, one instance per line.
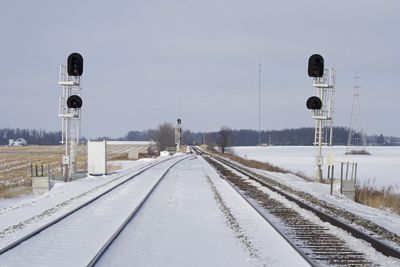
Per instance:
(141,57)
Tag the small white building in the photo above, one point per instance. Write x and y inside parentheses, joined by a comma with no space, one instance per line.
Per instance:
(18,142)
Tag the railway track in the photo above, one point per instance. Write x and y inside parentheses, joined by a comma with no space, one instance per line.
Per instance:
(101,214)
(115,235)
(316,242)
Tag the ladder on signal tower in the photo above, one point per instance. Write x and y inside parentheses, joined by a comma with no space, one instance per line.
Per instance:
(324,118)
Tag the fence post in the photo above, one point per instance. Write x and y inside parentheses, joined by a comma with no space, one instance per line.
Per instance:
(332,168)
(331,185)
(355,173)
(341,176)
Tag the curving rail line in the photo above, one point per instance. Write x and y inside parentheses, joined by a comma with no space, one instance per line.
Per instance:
(313,241)
(85,204)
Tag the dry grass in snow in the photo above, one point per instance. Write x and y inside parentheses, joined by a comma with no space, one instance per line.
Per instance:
(15,162)
(382,198)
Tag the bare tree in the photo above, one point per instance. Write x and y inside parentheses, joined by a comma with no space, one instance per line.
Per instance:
(225,138)
(164,135)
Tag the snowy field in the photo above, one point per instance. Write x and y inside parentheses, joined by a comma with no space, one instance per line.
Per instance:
(381,168)
(184,223)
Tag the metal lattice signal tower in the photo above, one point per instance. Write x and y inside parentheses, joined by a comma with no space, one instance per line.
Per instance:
(357,139)
(71,121)
(325,86)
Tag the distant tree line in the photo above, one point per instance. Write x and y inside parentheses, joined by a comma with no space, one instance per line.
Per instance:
(300,136)
(244,137)
(380,140)
(164,135)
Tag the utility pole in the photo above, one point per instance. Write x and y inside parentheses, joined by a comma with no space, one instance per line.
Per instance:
(259,103)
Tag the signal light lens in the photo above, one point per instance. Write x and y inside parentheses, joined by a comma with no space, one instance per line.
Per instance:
(314,103)
(74,101)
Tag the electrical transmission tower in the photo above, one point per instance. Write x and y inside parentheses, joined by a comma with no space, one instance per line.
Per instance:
(357,139)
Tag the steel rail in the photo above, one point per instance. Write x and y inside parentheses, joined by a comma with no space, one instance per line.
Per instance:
(385,249)
(108,243)
(287,216)
(262,214)
(65,215)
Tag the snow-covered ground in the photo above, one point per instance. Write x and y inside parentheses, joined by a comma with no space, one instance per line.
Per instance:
(382,167)
(8,202)
(383,218)
(25,199)
(29,213)
(185,224)
(194,218)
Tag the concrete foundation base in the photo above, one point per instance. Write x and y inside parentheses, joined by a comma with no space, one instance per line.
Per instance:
(40,185)
(349,189)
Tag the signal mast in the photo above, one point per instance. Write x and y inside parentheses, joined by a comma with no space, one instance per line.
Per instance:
(322,107)
(70,104)
(178,135)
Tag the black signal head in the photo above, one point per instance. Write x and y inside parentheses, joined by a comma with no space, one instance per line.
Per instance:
(314,103)
(316,66)
(75,64)
(74,101)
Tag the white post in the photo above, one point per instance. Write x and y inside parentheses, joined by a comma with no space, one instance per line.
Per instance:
(71,122)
